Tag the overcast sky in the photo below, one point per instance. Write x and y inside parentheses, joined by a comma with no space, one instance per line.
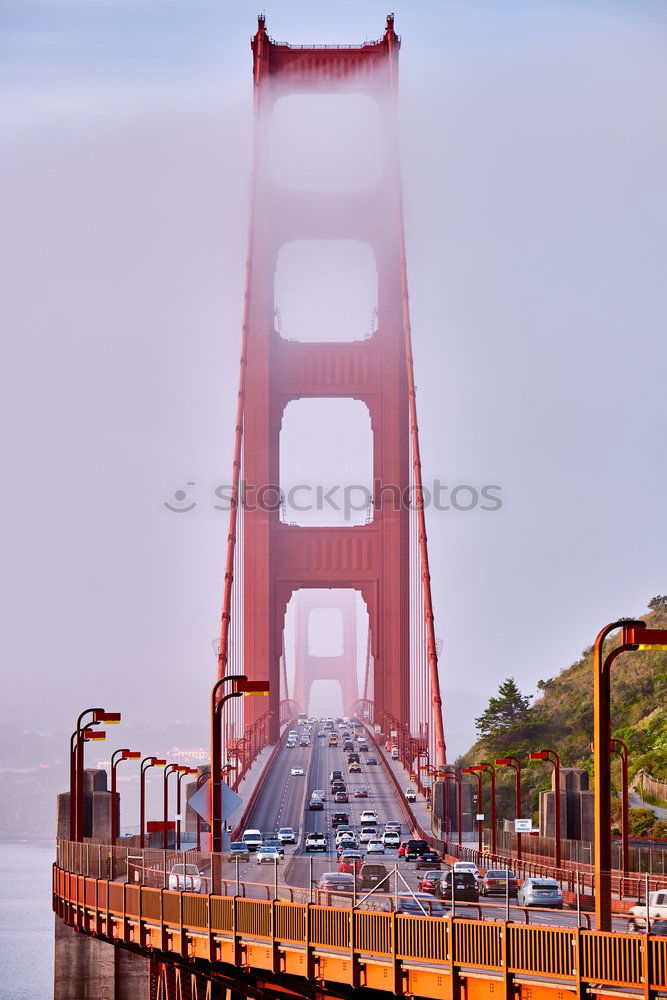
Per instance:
(534,146)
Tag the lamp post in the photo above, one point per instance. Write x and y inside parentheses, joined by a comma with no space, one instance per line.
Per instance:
(181,774)
(169,769)
(98,716)
(453,776)
(635,636)
(145,764)
(125,754)
(552,757)
(480,830)
(242,688)
(485,767)
(515,764)
(619,748)
(202,779)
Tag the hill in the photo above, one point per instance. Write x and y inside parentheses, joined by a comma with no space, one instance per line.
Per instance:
(561,718)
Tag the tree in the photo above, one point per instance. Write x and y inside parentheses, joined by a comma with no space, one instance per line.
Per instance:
(658,602)
(507,710)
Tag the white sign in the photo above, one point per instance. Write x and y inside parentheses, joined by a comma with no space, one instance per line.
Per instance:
(377,729)
(523,825)
(393,734)
(480,817)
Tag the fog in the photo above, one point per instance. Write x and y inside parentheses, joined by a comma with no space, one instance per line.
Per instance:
(534,152)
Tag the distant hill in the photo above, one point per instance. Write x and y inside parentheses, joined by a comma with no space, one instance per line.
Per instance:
(561,718)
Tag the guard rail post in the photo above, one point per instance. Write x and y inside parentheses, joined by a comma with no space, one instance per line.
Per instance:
(397,963)
(182,934)
(211,941)
(508,977)
(355,979)
(453,966)
(235,934)
(578,958)
(310,964)
(647,965)
(164,940)
(275,950)
(125,936)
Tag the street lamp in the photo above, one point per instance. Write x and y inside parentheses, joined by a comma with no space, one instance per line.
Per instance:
(448,776)
(181,774)
(242,688)
(202,779)
(485,767)
(515,764)
(635,636)
(619,748)
(145,764)
(169,769)
(76,762)
(125,754)
(552,757)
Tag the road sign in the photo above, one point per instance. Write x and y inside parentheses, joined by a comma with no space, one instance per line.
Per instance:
(523,825)
(480,817)
(230,802)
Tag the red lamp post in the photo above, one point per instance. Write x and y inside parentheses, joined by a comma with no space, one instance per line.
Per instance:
(145,764)
(181,774)
(99,716)
(634,636)
(515,764)
(125,754)
(485,767)
(453,776)
(202,779)
(552,757)
(169,769)
(619,748)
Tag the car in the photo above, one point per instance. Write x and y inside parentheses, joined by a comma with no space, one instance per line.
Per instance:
(237,849)
(427,859)
(322,734)
(336,775)
(344,828)
(394,753)
(304,743)
(422,904)
(657,912)
(341,797)
(290,745)
(360,792)
(348,745)
(339,817)
(430,882)
(393,825)
(276,844)
(320,793)
(354,767)
(350,861)
(465,886)
(268,855)
(187,877)
(390,838)
(540,892)
(413,848)
(372,760)
(467,866)
(316,804)
(286,835)
(410,795)
(315,841)
(353,758)
(338,786)
(496,882)
(252,839)
(367,834)
(297,772)
(402,847)
(368,817)
(372,875)
(363,748)
(336,882)
(375,846)
(333,741)
(348,844)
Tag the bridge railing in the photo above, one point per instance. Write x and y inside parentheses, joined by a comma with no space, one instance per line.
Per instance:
(119,911)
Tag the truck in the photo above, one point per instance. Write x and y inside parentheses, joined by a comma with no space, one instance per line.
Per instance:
(657,911)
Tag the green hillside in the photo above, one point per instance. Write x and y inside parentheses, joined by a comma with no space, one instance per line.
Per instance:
(561,718)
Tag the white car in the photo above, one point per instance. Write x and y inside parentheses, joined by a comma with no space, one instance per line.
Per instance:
(316,842)
(410,795)
(467,866)
(267,855)
(370,833)
(391,839)
(318,793)
(375,846)
(344,835)
(187,877)
(297,771)
(286,835)
(368,818)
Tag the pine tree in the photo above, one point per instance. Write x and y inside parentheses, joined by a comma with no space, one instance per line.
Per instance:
(504,712)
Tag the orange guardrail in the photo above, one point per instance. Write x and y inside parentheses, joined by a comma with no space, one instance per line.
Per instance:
(394,952)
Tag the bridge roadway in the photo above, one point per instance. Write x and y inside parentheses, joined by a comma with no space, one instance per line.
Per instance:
(284,802)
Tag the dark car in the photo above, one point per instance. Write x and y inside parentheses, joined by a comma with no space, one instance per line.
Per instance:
(360,792)
(363,748)
(371,760)
(338,786)
(348,745)
(341,797)
(237,849)
(316,804)
(427,859)
(465,886)
(496,881)
(337,882)
(422,905)
(413,848)
(370,875)
(353,758)
(337,818)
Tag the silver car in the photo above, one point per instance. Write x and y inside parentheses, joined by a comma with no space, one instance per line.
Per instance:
(540,892)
